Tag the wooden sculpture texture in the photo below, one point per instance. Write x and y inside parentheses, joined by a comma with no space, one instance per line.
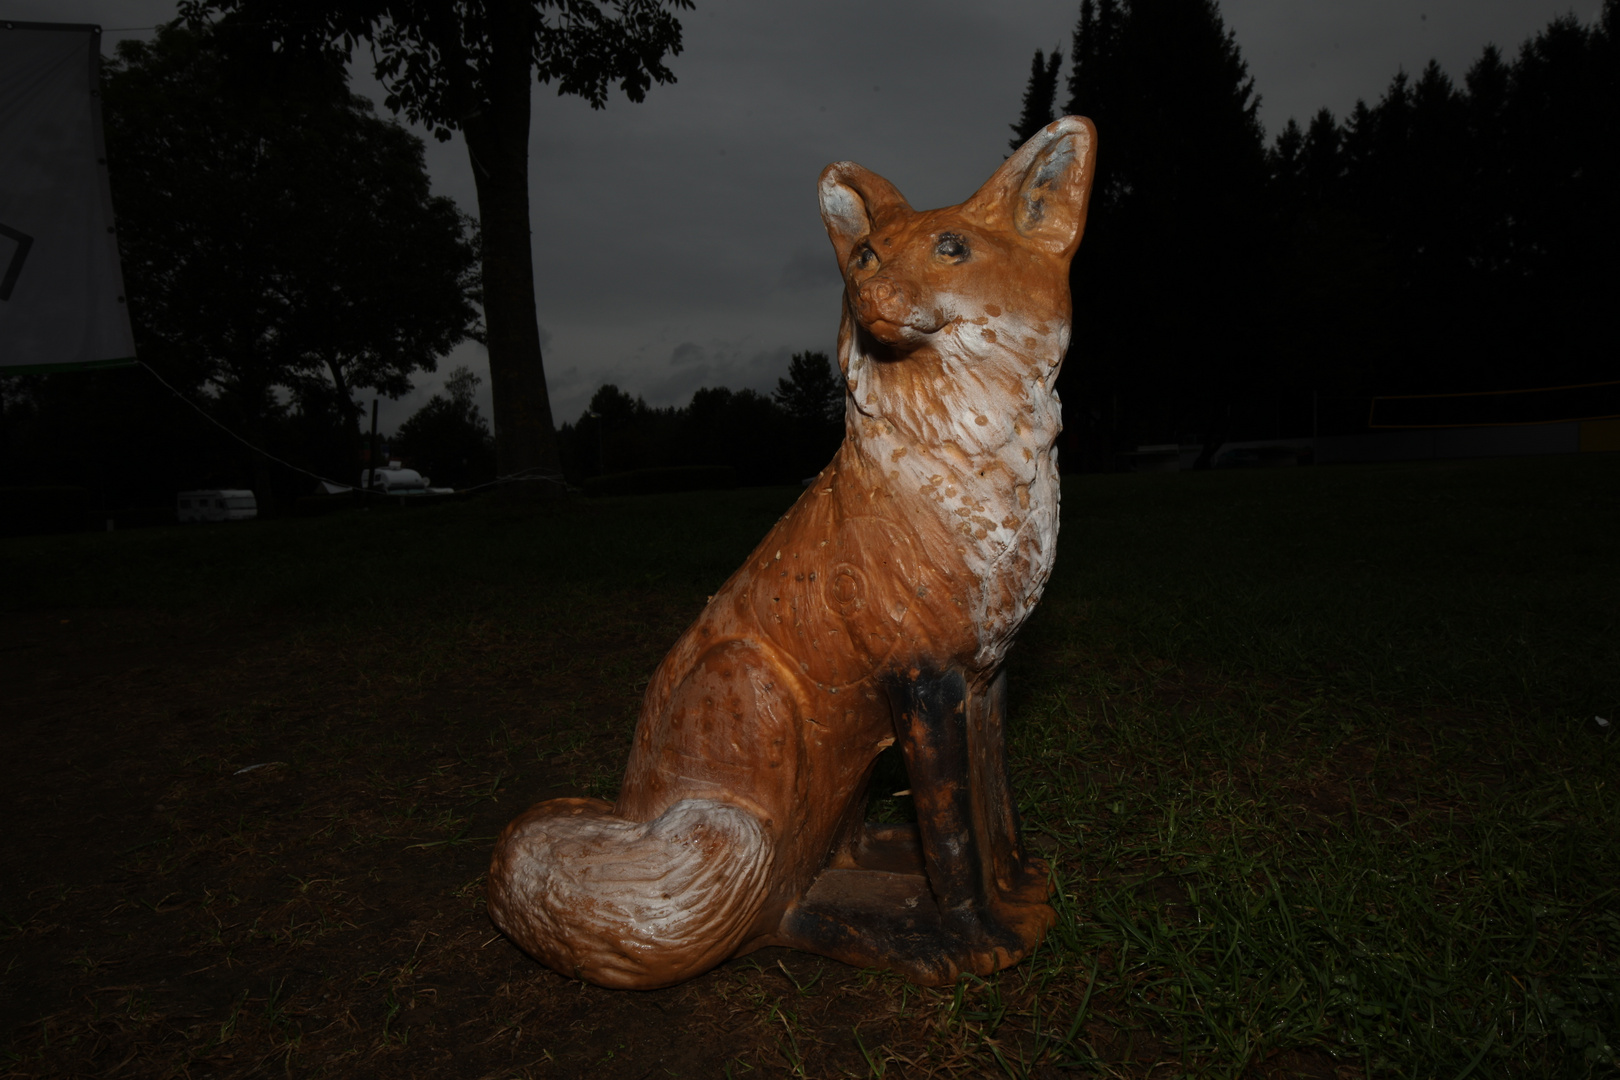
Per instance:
(876,612)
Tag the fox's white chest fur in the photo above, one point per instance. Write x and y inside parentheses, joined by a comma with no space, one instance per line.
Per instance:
(977,450)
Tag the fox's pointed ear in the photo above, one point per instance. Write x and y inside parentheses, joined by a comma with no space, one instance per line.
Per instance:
(853,201)
(1046,185)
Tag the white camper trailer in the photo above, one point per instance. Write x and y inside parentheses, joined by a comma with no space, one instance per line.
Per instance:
(225,504)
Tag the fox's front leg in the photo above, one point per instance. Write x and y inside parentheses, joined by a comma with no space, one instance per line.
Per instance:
(931,730)
(952,744)
(1018,878)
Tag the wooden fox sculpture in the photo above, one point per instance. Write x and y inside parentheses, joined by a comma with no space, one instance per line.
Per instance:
(877,612)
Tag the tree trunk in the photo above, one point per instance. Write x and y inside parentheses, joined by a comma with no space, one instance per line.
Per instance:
(498,143)
(348,421)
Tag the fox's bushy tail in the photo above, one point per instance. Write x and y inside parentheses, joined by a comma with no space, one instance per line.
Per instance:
(632,905)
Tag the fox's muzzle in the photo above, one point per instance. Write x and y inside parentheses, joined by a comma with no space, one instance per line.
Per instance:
(888,311)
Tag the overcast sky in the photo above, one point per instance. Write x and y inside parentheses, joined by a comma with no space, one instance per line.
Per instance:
(677,242)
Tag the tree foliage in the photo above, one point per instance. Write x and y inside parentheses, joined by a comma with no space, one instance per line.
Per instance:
(1040,97)
(766,440)
(448,439)
(1163,283)
(469,66)
(444,64)
(812,398)
(813,391)
(274,232)
(281,250)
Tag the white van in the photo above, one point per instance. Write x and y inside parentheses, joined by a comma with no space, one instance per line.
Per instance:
(225,504)
(395,480)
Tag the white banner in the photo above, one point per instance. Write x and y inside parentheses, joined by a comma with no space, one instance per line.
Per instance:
(61,290)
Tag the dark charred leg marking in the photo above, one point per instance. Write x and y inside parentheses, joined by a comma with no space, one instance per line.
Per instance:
(953,893)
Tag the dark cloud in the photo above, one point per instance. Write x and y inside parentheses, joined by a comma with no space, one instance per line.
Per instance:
(677,388)
(567,379)
(810,268)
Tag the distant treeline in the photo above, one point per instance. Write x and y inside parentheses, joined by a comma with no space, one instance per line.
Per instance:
(1448,238)
(776,439)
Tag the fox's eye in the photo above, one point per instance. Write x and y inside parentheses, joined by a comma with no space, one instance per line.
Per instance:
(866,257)
(951,246)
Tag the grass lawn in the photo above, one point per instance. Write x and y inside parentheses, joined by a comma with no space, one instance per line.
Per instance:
(1313,753)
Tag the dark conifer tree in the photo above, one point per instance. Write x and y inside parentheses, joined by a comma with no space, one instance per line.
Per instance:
(1040,97)
(1164,284)
(1486,102)
(812,397)
(1092,54)
(1320,165)
(1093,83)
(1286,158)
(813,392)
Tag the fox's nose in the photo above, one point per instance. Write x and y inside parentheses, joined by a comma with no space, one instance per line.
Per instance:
(881,300)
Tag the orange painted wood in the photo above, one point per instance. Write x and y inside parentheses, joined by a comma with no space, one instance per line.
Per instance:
(877,612)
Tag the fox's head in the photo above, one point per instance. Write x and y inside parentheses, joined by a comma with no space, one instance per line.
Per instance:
(910,275)
(956,321)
